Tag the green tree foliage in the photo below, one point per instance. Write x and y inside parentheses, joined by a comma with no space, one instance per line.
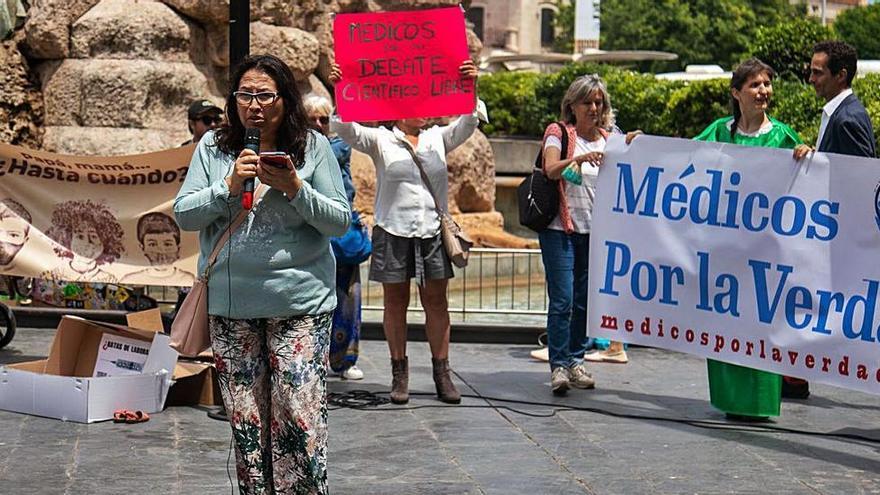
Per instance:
(774,11)
(691,108)
(868,90)
(563,23)
(860,27)
(699,31)
(788,46)
(639,100)
(523,103)
(796,104)
(513,103)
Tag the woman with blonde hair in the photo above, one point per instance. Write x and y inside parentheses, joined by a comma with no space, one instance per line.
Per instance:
(588,120)
(406,236)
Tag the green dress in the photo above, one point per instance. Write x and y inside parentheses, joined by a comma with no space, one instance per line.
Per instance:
(736,389)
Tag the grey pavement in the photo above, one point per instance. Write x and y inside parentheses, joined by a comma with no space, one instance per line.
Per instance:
(430,448)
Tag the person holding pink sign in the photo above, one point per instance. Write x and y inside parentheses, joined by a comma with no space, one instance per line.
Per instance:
(406,235)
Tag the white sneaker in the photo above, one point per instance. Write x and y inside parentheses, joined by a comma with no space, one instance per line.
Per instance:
(559,381)
(542,354)
(607,356)
(579,377)
(353,373)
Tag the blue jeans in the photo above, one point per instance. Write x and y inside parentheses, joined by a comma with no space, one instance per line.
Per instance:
(566,258)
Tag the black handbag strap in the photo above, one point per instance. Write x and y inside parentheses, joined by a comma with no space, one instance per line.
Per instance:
(418,162)
(539,163)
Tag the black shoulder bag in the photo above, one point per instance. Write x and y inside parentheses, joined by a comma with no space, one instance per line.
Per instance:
(538,196)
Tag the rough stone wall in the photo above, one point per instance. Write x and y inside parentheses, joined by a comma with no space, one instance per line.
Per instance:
(21,103)
(118,75)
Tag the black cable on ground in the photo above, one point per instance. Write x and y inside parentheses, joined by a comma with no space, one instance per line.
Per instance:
(364,400)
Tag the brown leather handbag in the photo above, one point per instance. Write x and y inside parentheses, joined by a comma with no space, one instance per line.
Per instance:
(455,241)
(189,332)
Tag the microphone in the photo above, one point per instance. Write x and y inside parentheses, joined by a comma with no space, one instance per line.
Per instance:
(251,142)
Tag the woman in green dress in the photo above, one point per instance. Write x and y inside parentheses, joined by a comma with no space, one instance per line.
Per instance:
(745,393)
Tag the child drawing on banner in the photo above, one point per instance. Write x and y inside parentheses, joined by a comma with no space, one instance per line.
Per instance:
(15,224)
(88,236)
(159,238)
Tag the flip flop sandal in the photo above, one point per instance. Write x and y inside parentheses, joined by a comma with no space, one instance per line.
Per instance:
(136,417)
(119,416)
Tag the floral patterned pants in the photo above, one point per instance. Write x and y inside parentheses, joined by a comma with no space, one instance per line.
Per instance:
(272,375)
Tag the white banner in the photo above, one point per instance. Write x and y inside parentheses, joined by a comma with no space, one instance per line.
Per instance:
(107,220)
(742,255)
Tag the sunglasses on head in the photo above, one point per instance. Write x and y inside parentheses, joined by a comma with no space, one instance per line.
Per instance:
(208,120)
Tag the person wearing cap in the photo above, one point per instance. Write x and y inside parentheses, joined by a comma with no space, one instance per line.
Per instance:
(202,117)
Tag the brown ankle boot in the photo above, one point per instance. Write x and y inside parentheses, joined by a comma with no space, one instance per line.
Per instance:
(446,390)
(400,381)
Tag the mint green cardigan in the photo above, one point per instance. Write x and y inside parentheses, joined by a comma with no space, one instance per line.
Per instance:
(278,263)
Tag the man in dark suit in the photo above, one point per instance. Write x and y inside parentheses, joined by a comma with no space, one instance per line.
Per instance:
(845,129)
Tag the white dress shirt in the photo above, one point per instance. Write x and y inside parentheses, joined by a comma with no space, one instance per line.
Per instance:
(404,207)
(828,110)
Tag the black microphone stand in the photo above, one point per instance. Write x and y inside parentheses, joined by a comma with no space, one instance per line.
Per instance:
(239,47)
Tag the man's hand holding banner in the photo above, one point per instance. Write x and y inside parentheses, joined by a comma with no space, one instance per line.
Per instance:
(741,255)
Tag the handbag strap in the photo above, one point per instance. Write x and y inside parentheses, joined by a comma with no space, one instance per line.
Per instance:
(424,175)
(236,222)
(563,139)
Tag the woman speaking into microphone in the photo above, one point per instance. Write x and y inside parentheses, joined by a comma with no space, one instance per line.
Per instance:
(271,291)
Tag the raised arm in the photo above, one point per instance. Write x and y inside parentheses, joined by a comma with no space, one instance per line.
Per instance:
(461,129)
(361,138)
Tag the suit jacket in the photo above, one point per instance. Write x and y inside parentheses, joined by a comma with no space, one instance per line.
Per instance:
(849,130)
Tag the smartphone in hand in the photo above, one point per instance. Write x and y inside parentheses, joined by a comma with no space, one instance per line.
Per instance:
(277,159)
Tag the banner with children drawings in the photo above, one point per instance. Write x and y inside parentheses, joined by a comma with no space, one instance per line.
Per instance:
(104,220)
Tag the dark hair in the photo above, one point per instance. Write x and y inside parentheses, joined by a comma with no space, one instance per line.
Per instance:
(840,56)
(293,135)
(157,223)
(750,68)
(14,207)
(68,215)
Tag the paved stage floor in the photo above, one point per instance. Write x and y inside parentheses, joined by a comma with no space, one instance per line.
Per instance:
(479,448)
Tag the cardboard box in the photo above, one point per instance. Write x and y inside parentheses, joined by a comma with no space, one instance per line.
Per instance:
(63,387)
(195,384)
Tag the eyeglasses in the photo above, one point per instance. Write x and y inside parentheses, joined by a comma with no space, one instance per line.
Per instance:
(324,120)
(263,99)
(208,120)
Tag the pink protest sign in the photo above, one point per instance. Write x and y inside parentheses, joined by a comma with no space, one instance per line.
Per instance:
(401,64)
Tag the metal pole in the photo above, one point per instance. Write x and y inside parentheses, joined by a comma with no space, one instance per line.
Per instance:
(239,47)
(824,17)
(239,32)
